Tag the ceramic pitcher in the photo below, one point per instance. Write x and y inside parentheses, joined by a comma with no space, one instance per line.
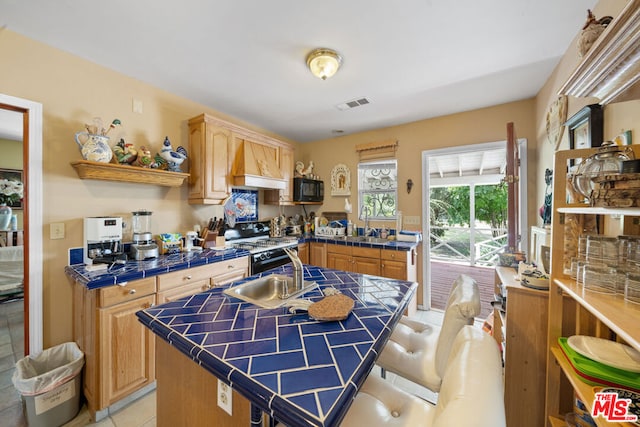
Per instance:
(94,148)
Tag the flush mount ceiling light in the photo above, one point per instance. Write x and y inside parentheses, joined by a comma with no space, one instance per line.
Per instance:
(323,62)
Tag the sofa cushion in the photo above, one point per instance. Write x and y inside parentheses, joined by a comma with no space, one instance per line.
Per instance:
(462,306)
(472,391)
(378,403)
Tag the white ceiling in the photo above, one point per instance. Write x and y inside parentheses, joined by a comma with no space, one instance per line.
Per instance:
(412,59)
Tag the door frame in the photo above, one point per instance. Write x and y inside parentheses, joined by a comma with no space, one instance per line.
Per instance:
(426,259)
(33,221)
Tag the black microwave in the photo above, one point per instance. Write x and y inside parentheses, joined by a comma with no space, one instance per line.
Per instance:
(308,190)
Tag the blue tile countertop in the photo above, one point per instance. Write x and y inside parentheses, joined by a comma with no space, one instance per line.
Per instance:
(298,370)
(390,245)
(134,270)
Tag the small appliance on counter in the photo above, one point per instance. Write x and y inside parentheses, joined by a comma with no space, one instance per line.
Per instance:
(103,240)
(170,243)
(142,244)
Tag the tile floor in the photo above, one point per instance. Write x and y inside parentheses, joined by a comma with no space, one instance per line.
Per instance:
(141,413)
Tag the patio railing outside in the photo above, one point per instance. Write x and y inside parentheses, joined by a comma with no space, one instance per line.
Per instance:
(473,245)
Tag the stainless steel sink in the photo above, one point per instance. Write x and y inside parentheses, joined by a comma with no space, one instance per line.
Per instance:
(364,239)
(269,291)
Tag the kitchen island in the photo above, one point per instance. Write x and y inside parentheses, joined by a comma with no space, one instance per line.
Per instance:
(295,369)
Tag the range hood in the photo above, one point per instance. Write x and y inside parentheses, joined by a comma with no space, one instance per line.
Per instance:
(256,165)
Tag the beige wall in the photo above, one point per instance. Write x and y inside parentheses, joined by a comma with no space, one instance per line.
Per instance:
(473,127)
(72,92)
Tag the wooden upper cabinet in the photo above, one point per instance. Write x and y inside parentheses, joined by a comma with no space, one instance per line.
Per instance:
(223,154)
(210,148)
(286,163)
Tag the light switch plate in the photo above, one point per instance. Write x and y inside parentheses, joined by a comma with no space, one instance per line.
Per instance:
(225,397)
(56,230)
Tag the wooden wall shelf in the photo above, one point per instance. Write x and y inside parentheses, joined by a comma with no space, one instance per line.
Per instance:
(610,70)
(113,172)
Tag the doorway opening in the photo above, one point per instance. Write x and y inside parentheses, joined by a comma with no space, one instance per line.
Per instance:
(29,114)
(465,217)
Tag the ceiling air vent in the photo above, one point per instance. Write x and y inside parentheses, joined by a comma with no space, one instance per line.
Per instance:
(352,104)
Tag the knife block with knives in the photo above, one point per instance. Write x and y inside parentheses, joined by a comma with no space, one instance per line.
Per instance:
(211,236)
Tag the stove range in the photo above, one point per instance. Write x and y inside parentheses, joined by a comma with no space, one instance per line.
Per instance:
(266,252)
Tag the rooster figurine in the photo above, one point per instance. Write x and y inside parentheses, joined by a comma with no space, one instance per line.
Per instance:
(308,171)
(125,153)
(173,159)
(144,158)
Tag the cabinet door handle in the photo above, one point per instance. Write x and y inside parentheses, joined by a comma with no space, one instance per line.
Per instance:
(188,277)
(132,291)
(229,267)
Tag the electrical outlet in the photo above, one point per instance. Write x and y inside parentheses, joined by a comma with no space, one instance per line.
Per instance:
(56,230)
(225,397)
(412,220)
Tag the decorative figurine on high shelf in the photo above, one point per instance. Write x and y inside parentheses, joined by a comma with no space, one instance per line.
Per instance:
(308,171)
(172,159)
(591,31)
(125,153)
(144,158)
(94,143)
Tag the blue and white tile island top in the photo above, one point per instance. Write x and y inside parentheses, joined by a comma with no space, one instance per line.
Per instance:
(294,368)
(134,270)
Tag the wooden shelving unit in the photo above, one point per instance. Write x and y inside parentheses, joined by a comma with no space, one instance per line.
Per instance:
(575,311)
(112,172)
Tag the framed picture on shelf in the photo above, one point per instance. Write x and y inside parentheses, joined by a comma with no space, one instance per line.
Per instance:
(586,128)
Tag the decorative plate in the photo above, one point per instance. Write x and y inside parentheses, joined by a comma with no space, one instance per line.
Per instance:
(610,353)
(556,116)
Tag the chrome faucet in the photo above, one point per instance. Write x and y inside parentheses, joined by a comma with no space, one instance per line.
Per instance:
(367,231)
(297,269)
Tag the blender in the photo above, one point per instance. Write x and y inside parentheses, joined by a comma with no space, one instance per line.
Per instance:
(143,246)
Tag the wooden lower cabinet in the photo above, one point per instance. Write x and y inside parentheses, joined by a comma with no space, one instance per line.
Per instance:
(303,252)
(127,351)
(119,350)
(354,258)
(401,265)
(318,254)
(525,351)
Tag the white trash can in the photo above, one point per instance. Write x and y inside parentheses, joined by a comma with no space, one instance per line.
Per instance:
(50,384)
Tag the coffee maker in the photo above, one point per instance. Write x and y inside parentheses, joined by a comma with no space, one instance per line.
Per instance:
(143,246)
(103,240)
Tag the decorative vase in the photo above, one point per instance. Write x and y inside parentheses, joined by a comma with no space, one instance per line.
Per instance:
(5,216)
(94,147)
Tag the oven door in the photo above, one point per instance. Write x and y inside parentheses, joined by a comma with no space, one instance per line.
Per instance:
(267,260)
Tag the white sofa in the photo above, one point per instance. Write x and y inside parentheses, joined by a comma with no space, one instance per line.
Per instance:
(471,395)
